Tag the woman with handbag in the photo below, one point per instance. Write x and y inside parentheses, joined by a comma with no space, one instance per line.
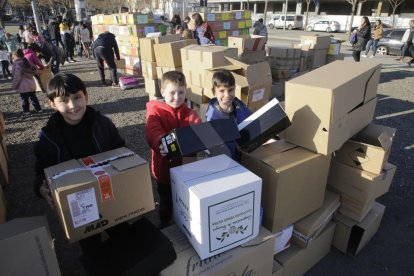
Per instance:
(363,34)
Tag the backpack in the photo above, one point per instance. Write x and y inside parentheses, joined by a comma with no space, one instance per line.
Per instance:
(128,82)
(353,38)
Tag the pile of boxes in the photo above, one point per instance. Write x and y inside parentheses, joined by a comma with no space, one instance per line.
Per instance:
(128,28)
(228,23)
(160,55)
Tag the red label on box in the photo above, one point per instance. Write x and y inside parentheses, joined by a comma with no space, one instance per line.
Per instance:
(87,161)
(105,185)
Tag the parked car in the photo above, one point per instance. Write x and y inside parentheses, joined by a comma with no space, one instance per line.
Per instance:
(324,26)
(292,21)
(390,43)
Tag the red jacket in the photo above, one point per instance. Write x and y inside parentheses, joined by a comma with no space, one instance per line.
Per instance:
(161,120)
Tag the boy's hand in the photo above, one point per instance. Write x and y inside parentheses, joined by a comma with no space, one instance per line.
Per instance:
(45,193)
(162,151)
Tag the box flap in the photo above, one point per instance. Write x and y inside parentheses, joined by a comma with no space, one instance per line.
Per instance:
(128,162)
(263,236)
(376,135)
(167,38)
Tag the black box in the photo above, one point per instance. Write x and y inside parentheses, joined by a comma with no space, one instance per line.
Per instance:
(136,249)
(262,125)
(195,138)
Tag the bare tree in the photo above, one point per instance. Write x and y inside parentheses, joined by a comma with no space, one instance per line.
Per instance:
(394,5)
(66,5)
(353,4)
(265,11)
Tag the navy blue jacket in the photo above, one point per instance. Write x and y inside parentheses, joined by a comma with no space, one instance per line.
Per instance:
(107,40)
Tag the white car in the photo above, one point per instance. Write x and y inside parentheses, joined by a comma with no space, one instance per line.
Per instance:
(324,26)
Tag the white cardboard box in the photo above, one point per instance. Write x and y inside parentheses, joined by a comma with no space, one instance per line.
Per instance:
(216,203)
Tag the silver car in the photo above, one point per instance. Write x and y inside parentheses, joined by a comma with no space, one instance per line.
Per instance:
(324,26)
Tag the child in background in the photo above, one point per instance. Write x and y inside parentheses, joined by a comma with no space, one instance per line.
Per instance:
(74,131)
(162,117)
(24,82)
(4,59)
(226,105)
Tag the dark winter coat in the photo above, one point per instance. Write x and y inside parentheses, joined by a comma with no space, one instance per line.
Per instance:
(107,40)
(51,148)
(363,36)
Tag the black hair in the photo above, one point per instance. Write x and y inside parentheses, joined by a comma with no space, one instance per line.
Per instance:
(198,20)
(261,20)
(63,84)
(35,47)
(223,78)
(175,77)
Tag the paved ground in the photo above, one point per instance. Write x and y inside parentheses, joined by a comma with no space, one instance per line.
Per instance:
(391,251)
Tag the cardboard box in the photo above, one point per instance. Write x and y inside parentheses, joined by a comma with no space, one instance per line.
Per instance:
(94,193)
(26,248)
(146,45)
(294,179)
(351,236)
(169,54)
(360,185)
(201,110)
(252,258)
(308,228)
(153,89)
(216,204)
(4,168)
(368,150)
(316,42)
(262,125)
(195,138)
(160,70)
(277,269)
(283,238)
(327,108)
(315,58)
(198,95)
(197,58)
(277,89)
(284,57)
(296,261)
(355,209)
(246,43)
(332,58)
(149,70)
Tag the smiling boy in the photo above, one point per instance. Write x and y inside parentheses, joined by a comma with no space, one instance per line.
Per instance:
(162,117)
(74,131)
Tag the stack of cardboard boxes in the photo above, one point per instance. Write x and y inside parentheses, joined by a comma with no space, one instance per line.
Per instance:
(128,28)
(251,48)
(229,23)
(4,172)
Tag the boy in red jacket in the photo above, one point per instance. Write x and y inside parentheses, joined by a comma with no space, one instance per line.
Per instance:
(162,117)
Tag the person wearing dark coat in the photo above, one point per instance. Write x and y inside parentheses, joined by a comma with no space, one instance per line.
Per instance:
(363,34)
(103,49)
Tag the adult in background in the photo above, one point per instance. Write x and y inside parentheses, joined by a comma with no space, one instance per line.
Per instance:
(76,37)
(363,34)
(27,35)
(407,39)
(66,34)
(85,38)
(260,28)
(202,32)
(103,49)
(184,23)
(175,21)
(376,34)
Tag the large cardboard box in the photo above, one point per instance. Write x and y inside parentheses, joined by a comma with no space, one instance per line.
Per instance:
(360,185)
(146,45)
(368,150)
(296,261)
(197,58)
(284,57)
(327,108)
(315,58)
(252,258)
(26,248)
(216,203)
(160,70)
(316,42)
(94,193)
(351,236)
(277,269)
(189,140)
(253,57)
(149,70)
(262,125)
(153,88)
(169,54)
(311,226)
(294,179)
(4,169)
(355,209)
(246,43)
(253,81)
